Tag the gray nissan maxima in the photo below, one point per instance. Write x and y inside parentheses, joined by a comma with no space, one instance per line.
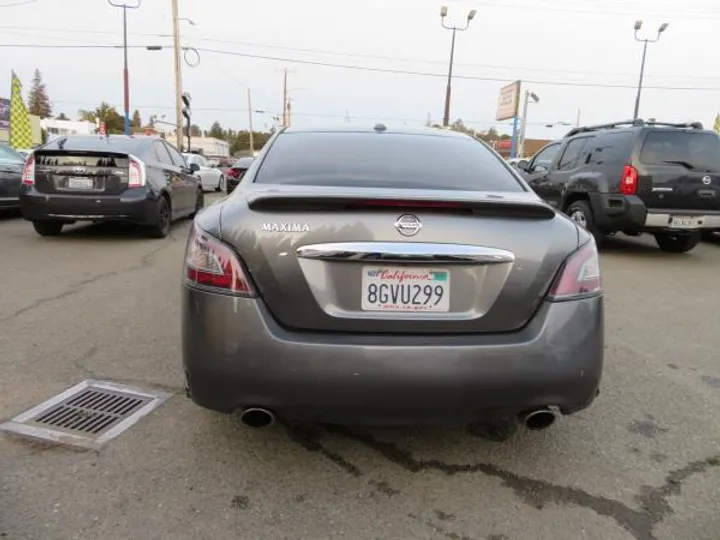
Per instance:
(383,276)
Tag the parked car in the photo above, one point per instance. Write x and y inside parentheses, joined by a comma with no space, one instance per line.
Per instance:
(236,172)
(634,177)
(402,289)
(211,177)
(11,167)
(142,180)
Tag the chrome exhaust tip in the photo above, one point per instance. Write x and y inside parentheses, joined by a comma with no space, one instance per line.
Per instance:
(256,417)
(538,419)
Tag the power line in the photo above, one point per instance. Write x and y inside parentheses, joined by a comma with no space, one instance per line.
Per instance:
(370,56)
(18,3)
(576,84)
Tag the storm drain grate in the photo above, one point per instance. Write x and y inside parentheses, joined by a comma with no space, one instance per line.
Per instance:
(87,415)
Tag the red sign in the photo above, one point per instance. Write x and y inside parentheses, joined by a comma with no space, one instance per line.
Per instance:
(505,144)
(101,128)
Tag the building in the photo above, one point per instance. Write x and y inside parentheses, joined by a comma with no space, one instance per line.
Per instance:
(210,147)
(532,146)
(59,128)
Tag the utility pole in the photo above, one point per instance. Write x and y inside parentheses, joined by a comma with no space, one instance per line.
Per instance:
(250,113)
(285,99)
(178,76)
(577,121)
(528,96)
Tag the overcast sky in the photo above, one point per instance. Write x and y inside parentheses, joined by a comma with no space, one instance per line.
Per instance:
(553,45)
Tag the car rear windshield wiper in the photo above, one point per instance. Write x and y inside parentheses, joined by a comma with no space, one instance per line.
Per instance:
(685,164)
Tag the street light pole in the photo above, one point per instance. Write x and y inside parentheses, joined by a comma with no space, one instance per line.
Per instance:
(250,113)
(638,26)
(126,73)
(528,96)
(455,29)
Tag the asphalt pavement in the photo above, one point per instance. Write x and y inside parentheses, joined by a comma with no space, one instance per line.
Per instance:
(102,302)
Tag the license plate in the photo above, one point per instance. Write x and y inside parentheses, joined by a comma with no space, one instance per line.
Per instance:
(80,183)
(682,222)
(405,289)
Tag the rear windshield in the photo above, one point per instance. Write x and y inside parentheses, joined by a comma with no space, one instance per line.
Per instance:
(121,144)
(696,151)
(385,160)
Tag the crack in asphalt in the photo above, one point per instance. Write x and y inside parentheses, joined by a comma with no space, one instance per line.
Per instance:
(80,285)
(536,493)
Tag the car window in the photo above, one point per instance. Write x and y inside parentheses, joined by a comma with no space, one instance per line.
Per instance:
(545,157)
(189,158)
(161,153)
(701,151)
(8,155)
(201,161)
(400,161)
(175,156)
(571,155)
(612,149)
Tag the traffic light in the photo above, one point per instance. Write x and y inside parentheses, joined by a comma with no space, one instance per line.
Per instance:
(186,110)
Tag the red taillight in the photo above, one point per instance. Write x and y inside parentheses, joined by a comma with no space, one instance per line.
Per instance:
(235,173)
(210,263)
(628,184)
(580,275)
(136,173)
(28,175)
(392,203)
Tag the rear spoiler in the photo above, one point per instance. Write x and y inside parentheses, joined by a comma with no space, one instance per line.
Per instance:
(496,206)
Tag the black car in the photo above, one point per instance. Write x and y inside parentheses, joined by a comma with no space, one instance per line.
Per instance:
(141,180)
(235,174)
(634,177)
(11,168)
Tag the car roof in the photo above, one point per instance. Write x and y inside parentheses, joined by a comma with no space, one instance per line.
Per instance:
(378,128)
(243,162)
(121,143)
(636,126)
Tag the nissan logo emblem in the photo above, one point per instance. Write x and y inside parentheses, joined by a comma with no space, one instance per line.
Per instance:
(707,180)
(408,225)
(79,170)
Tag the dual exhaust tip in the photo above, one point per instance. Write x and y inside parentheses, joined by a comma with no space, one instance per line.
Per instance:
(534,419)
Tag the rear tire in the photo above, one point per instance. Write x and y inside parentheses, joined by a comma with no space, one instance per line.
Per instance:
(199,204)
(677,243)
(581,213)
(48,228)
(219,187)
(161,225)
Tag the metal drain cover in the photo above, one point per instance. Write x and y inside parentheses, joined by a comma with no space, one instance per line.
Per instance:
(87,415)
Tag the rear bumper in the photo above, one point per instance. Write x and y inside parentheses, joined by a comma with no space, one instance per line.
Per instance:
(236,355)
(134,205)
(614,212)
(231,183)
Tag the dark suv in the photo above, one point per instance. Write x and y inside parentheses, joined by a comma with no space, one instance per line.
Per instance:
(634,177)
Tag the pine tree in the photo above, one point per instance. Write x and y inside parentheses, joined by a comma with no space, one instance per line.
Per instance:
(38,100)
(136,121)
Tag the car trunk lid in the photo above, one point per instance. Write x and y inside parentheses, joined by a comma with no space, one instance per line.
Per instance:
(363,260)
(81,173)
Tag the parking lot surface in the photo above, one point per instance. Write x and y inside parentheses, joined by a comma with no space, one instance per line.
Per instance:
(101,302)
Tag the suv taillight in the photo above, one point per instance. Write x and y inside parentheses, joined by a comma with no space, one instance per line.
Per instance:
(211,264)
(628,184)
(28,175)
(136,173)
(580,275)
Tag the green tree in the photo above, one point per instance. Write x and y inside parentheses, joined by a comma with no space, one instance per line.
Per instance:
(217,131)
(114,121)
(61,116)
(195,131)
(136,120)
(38,100)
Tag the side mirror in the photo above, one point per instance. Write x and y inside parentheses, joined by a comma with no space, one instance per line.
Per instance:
(194,167)
(541,168)
(523,164)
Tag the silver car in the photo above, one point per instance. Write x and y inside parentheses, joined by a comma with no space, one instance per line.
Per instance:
(387,276)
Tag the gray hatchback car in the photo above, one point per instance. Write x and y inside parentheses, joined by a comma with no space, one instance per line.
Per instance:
(392,277)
